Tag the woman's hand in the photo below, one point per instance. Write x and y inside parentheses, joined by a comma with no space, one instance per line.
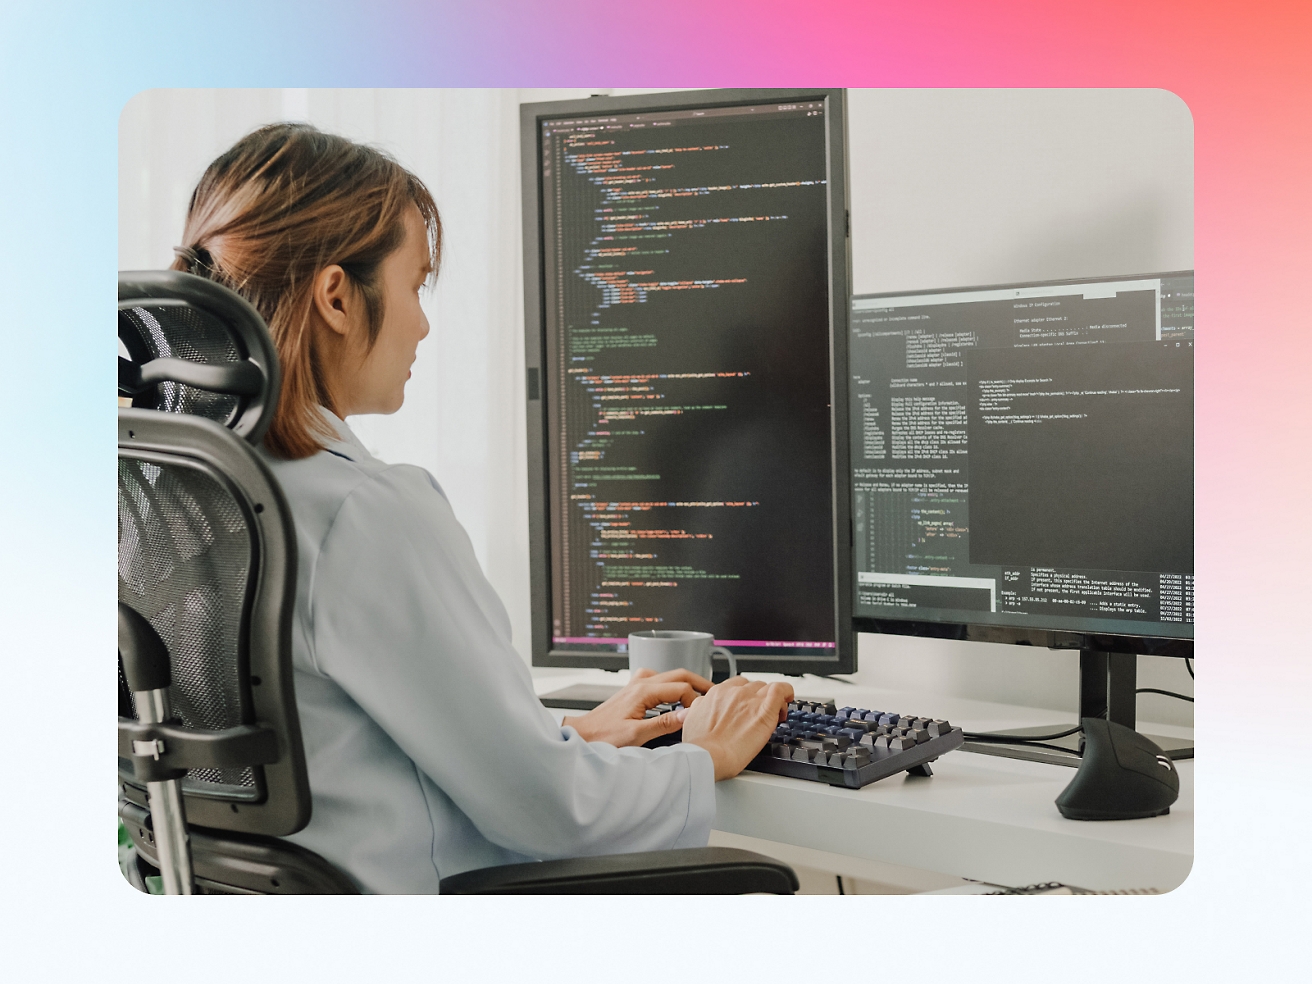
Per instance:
(619,721)
(734,721)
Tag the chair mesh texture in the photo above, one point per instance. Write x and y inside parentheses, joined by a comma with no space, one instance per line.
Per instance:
(184,556)
(186,333)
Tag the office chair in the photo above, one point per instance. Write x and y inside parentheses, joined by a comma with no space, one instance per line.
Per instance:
(211,764)
(211,767)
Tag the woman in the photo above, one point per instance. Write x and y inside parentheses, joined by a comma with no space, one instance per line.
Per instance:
(428,751)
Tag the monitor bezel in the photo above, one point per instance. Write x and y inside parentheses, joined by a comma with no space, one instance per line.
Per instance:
(1048,638)
(543,652)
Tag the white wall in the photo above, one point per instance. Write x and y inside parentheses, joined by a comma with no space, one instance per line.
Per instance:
(955,187)
(948,187)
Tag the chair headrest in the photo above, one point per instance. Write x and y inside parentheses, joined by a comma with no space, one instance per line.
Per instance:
(196,347)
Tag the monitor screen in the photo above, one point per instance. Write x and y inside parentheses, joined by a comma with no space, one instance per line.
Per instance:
(1023,457)
(690,287)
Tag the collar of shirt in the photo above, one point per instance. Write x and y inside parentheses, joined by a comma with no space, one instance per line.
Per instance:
(345,444)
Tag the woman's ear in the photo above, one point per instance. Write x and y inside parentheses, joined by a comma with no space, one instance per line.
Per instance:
(335,299)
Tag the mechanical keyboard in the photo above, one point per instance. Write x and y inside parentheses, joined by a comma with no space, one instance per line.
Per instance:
(848,746)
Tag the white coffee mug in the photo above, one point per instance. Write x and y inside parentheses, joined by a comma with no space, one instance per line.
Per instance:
(659,650)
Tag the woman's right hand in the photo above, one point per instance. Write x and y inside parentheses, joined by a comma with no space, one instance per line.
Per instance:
(734,720)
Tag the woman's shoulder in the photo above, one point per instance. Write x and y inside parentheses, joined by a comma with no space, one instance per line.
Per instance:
(317,487)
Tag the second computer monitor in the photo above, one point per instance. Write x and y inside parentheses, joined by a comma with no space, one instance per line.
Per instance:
(1023,462)
(686,300)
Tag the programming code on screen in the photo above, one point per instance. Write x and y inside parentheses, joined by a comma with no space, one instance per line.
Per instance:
(1024,456)
(689,433)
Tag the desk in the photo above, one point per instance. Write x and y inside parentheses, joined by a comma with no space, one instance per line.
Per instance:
(979,817)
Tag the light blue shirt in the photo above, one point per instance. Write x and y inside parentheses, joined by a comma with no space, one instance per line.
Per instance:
(428,752)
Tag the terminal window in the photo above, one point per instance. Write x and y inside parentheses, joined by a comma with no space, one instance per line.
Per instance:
(685,259)
(1024,455)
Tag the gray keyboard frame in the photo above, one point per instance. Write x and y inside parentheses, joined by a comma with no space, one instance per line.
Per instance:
(883,763)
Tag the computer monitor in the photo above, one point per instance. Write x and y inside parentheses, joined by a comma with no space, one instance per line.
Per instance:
(686,313)
(1022,465)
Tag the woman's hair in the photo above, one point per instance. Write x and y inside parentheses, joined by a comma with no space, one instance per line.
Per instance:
(268,215)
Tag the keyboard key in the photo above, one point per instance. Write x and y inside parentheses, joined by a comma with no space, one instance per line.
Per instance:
(889,720)
(918,735)
(938,727)
(901,744)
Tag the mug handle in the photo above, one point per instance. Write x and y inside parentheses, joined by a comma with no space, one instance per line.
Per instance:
(733,663)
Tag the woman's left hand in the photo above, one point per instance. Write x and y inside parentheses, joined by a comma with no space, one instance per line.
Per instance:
(620,720)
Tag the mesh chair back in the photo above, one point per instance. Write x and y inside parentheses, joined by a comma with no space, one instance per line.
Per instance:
(185,554)
(206,545)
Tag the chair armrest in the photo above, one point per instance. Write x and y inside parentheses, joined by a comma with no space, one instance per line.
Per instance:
(691,871)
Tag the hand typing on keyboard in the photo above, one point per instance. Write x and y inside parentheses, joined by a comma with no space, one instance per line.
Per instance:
(734,720)
(622,720)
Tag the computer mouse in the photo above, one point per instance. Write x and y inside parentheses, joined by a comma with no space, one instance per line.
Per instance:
(1123,776)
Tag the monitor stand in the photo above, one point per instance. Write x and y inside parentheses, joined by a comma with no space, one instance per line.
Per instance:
(1107,689)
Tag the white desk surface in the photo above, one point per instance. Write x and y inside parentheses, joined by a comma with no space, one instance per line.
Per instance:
(980,816)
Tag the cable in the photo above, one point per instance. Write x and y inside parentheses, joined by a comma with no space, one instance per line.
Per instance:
(1019,739)
(1189,665)
(840,884)
(1164,693)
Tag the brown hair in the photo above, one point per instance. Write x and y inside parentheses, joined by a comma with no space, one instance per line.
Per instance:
(268,215)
